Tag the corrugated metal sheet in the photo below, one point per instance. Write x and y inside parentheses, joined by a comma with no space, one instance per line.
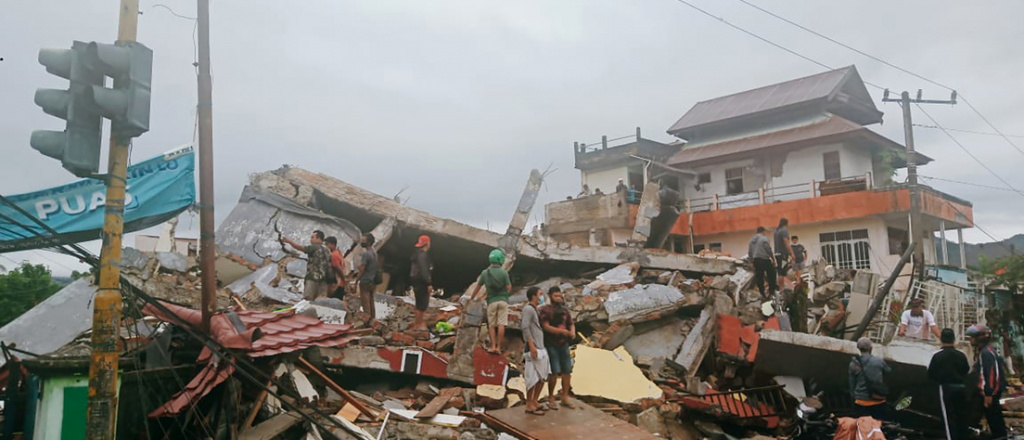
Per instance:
(813,87)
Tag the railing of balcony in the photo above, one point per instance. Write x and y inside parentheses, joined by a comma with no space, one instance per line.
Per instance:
(780,193)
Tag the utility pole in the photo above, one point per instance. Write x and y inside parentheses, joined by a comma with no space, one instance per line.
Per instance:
(106,314)
(916,226)
(207,247)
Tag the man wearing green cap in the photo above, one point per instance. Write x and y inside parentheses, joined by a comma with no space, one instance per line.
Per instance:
(498,285)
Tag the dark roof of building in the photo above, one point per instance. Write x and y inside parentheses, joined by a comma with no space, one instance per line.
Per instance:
(815,90)
(826,129)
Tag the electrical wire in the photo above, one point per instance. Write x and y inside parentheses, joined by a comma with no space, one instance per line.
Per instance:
(901,69)
(168,8)
(1008,185)
(968,131)
(976,225)
(966,183)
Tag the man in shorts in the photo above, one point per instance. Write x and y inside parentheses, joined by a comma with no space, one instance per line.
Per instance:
(420,278)
(559,332)
(498,285)
(799,255)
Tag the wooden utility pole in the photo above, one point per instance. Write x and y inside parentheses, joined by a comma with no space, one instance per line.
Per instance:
(916,226)
(106,313)
(207,246)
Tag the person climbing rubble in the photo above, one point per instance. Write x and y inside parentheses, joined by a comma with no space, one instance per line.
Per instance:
(336,280)
(318,265)
(988,378)
(867,382)
(420,277)
(536,366)
(498,285)
(760,253)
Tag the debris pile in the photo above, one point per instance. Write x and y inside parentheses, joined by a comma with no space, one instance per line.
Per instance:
(667,345)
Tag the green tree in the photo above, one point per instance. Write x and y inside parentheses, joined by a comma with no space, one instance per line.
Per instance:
(1008,270)
(23,288)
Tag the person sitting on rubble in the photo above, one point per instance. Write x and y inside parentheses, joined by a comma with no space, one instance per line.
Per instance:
(318,265)
(559,332)
(867,383)
(987,379)
(498,285)
(916,322)
(536,366)
(760,253)
(585,192)
(598,192)
(337,289)
(419,276)
(621,187)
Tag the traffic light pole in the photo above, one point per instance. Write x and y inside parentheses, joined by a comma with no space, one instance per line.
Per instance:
(106,315)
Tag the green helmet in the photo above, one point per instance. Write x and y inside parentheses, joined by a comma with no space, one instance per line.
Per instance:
(497,256)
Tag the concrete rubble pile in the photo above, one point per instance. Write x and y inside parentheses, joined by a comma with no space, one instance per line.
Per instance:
(668,346)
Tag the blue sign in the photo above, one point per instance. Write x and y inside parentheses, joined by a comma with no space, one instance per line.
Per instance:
(157,190)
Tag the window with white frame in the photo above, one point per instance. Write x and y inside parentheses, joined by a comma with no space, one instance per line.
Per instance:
(846,249)
(734,181)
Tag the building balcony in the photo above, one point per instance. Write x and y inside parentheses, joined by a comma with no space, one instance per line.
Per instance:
(807,203)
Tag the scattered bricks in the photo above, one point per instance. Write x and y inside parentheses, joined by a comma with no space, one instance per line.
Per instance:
(456,402)
(427,345)
(651,421)
(401,339)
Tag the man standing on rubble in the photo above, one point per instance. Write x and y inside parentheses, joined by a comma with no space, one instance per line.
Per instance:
(867,383)
(420,277)
(760,252)
(536,366)
(318,265)
(367,276)
(621,187)
(783,250)
(799,255)
(916,322)
(948,369)
(988,379)
(337,289)
(498,285)
(559,331)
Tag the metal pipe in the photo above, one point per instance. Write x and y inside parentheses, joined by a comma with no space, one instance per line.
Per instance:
(207,248)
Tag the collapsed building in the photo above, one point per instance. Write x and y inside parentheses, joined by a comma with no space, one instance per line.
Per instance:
(674,340)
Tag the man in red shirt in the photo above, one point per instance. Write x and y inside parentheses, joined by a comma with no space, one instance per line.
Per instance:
(337,268)
(559,332)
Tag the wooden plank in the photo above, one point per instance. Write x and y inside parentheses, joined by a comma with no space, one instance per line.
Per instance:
(338,389)
(348,412)
(272,427)
(255,409)
(438,403)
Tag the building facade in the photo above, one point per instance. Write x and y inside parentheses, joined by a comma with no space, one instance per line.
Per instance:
(800,150)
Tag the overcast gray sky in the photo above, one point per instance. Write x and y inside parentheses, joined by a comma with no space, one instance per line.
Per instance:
(459,99)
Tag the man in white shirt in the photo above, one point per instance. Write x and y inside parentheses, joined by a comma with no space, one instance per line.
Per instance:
(917,322)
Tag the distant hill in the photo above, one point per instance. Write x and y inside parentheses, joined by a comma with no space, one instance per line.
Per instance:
(991,250)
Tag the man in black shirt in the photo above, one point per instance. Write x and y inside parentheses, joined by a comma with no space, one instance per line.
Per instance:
(783,251)
(948,369)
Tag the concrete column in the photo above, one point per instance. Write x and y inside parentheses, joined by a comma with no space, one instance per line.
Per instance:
(510,242)
(814,189)
(963,248)
(650,207)
(714,203)
(945,244)
(760,195)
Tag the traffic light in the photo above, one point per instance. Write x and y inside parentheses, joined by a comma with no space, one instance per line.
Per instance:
(78,146)
(87,101)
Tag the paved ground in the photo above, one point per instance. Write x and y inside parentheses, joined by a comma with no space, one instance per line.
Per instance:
(584,422)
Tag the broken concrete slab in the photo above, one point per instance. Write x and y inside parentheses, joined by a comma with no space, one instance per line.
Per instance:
(582,423)
(662,340)
(53,323)
(173,261)
(642,300)
(651,421)
(593,367)
(621,274)
(697,343)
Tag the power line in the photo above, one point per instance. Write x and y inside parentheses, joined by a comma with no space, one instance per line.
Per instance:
(968,151)
(976,225)
(777,45)
(966,183)
(969,131)
(908,72)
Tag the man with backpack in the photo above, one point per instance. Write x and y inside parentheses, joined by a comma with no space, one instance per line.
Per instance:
(867,383)
(495,279)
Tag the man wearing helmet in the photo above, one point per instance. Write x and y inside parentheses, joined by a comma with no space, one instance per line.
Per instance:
(988,378)
(498,285)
